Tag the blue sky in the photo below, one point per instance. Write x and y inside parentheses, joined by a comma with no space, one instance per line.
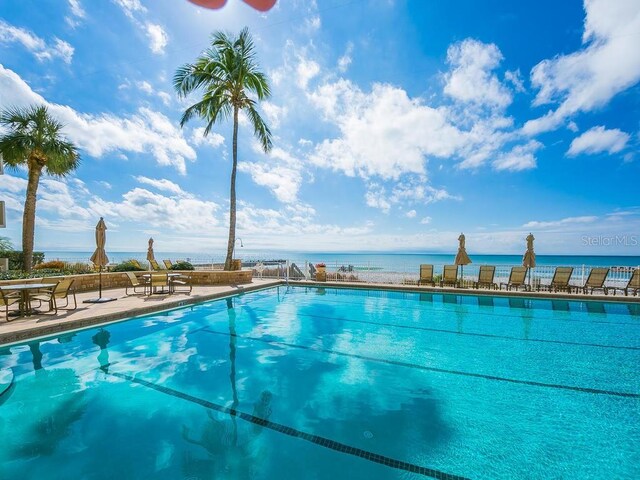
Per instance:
(397,125)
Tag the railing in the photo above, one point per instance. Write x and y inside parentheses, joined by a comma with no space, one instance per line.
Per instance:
(370,272)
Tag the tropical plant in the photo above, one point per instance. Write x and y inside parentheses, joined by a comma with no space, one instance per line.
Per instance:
(5,244)
(34,139)
(127,266)
(182,265)
(229,76)
(50,265)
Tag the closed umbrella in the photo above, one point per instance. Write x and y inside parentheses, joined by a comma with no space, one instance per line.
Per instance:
(150,255)
(462,258)
(100,259)
(529,258)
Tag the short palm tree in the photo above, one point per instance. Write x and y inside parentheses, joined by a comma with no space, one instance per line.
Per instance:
(34,138)
(229,76)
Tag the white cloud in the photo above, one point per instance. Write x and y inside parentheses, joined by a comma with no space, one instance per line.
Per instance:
(145,131)
(213,139)
(180,213)
(345,60)
(383,133)
(158,38)
(129,7)
(471,78)
(162,184)
(274,114)
(598,140)
(145,87)
(587,79)
(520,157)
(77,13)
(411,214)
(305,71)
(280,172)
(562,222)
(513,77)
(425,221)
(38,47)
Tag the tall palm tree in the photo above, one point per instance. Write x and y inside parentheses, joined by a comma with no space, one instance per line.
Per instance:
(34,138)
(229,76)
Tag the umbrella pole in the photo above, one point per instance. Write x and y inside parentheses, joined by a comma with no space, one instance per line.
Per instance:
(100,282)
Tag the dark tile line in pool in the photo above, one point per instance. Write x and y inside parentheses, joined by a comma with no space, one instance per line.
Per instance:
(433,369)
(292,432)
(440,330)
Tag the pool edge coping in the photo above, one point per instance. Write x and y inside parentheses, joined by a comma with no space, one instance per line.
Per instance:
(43,331)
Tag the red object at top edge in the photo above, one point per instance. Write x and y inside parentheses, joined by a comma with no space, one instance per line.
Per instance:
(262,5)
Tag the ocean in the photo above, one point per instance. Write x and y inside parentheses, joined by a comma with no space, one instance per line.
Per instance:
(389,262)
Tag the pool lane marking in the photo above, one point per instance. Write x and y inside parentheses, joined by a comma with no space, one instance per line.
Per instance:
(431,369)
(428,329)
(292,432)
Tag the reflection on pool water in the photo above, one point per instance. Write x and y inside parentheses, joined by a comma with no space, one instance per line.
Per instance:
(321,383)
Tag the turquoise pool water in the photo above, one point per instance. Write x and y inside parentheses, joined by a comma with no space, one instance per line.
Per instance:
(328,384)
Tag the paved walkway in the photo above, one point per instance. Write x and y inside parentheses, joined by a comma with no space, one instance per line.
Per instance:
(88,314)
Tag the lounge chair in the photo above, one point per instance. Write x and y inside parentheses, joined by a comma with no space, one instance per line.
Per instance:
(159,280)
(136,264)
(8,298)
(449,276)
(595,281)
(485,277)
(632,286)
(62,291)
(154,265)
(560,280)
(167,264)
(517,279)
(135,282)
(426,275)
(183,281)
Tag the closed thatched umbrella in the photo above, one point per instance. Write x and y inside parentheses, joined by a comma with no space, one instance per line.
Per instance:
(150,255)
(529,258)
(100,260)
(462,258)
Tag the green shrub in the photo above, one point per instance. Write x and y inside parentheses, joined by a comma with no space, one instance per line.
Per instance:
(182,266)
(127,266)
(77,268)
(16,258)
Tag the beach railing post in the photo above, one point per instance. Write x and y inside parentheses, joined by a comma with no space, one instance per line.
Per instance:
(582,277)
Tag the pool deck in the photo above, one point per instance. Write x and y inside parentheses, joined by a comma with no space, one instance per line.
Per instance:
(90,314)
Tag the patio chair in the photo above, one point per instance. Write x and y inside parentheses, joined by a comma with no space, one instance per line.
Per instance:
(595,281)
(183,281)
(449,276)
(426,275)
(485,277)
(48,295)
(154,265)
(8,298)
(135,282)
(63,290)
(517,278)
(159,280)
(632,286)
(167,264)
(560,280)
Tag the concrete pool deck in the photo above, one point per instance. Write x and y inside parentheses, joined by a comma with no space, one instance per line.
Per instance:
(87,315)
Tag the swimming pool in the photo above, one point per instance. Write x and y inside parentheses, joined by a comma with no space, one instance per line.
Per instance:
(326,383)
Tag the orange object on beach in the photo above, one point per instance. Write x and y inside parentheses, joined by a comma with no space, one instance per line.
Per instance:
(262,5)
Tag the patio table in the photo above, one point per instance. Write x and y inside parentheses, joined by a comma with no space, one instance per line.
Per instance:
(24,307)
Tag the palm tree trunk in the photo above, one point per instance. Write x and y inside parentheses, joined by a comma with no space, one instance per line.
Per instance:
(29,216)
(232,195)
